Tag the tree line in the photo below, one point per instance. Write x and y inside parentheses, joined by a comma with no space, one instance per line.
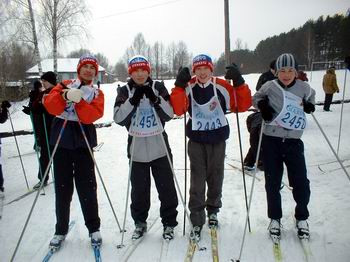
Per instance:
(326,39)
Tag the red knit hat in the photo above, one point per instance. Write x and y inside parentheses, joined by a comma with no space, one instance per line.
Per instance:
(202,60)
(138,62)
(88,59)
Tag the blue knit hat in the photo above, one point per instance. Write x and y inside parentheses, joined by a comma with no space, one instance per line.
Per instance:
(286,61)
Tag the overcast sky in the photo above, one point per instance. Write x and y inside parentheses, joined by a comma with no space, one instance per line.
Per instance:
(199,23)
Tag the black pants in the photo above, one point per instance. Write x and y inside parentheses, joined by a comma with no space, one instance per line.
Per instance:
(327,102)
(44,161)
(75,165)
(250,158)
(290,152)
(141,191)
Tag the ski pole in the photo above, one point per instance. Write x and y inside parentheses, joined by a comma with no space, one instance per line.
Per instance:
(240,151)
(48,145)
(330,146)
(174,176)
(129,181)
(185,121)
(171,165)
(341,112)
(98,170)
(41,186)
(36,146)
(251,190)
(128,188)
(19,152)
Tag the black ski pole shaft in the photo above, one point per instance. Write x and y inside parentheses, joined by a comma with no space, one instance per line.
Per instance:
(98,170)
(241,153)
(185,193)
(330,146)
(129,182)
(341,112)
(37,194)
(36,146)
(19,152)
(252,189)
(47,144)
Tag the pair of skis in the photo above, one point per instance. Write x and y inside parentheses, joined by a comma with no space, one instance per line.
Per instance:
(52,251)
(277,252)
(193,245)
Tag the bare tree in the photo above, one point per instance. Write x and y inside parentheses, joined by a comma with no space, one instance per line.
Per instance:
(62,19)
(238,44)
(79,53)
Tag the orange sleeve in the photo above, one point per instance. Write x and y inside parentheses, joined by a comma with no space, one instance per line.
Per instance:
(89,113)
(244,98)
(242,93)
(54,102)
(179,100)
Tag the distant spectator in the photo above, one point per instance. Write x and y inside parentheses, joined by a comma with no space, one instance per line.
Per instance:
(330,86)
(267,76)
(302,76)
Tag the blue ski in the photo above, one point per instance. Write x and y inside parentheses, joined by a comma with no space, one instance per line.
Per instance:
(53,250)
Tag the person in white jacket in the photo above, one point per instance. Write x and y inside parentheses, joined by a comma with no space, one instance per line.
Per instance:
(142,106)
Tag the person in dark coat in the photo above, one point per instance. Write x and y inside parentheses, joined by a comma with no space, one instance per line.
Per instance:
(5,105)
(254,122)
(42,124)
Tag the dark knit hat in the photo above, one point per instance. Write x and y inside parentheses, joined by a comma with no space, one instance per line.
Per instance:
(202,60)
(138,62)
(49,77)
(273,64)
(37,84)
(286,61)
(88,59)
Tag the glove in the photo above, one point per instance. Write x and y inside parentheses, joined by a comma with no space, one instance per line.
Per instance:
(183,76)
(234,74)
(26,110)
(266,110)
(308,107)
(138,94)
(151,95)
(5,104)
(73,95)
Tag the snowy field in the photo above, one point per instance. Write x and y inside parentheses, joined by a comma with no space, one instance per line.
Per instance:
(329,205)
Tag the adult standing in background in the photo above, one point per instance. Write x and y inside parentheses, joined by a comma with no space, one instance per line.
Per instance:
(330,86)
(42,124)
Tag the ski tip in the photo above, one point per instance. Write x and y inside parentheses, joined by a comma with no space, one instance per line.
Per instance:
(120,246)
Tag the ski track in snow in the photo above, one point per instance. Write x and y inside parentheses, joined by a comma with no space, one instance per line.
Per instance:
(329,204)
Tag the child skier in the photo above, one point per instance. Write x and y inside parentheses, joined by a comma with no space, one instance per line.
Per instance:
(282,103)
(73,101)
(140,106)
(207,99)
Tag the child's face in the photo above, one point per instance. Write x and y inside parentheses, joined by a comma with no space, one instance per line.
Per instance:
(87,72)
(139,76)
(287,75)
(203,74)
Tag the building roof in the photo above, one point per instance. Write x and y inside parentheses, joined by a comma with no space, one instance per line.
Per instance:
(64,65)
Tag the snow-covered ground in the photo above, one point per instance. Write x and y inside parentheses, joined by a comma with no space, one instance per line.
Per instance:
(329,205)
